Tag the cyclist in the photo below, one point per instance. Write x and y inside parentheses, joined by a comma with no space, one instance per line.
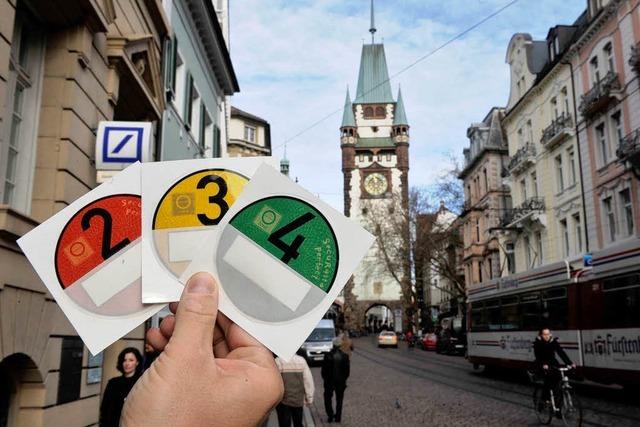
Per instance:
(545,349)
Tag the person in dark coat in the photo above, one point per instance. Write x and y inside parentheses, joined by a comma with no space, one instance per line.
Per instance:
(335,371)
(545,348)
(118,388)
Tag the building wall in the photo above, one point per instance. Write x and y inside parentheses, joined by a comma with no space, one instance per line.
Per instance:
(239,146)
(619,26)
(78,86)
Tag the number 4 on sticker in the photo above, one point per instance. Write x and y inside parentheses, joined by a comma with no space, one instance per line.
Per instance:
(290,251)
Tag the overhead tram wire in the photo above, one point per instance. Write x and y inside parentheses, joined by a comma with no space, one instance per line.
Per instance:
(413,64)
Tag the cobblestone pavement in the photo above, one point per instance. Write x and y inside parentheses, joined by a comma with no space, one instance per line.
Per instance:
(412,387)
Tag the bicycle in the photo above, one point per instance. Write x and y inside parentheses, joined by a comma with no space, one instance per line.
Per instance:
(563,403)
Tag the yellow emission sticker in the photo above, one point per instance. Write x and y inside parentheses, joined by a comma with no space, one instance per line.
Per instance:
(188,210)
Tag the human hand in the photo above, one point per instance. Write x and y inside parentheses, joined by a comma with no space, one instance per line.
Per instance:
(210,372)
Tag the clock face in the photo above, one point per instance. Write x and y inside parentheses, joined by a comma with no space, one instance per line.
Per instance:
(375,184)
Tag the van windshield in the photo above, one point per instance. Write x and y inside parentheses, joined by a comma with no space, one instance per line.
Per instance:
(322,334)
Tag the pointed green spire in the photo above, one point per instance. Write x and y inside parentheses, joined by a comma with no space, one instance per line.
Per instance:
(347,116)
(400,117)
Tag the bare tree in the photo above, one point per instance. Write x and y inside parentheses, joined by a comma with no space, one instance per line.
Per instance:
(413,242)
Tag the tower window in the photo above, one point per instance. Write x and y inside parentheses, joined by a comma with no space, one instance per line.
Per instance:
(362,157)
(380,112)
(368,112)
(374,129)
(388,157)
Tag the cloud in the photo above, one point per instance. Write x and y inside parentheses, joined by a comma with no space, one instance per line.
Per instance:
(294,60)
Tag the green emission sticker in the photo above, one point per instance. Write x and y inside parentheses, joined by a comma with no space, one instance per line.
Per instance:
(294,232)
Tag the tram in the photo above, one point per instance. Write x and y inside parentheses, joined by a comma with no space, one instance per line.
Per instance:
(593,310)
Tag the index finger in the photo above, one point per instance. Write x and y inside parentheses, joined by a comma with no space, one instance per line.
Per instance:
(235,336)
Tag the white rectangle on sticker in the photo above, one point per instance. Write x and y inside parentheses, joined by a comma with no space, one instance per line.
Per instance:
(114,276)
(268,273)
(182,244)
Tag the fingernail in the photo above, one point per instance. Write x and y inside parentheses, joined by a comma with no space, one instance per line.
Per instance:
(200,283)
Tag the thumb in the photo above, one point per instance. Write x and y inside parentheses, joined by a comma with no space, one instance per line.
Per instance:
(196,315)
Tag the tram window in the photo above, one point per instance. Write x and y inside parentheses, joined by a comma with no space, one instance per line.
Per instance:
(555,308)
(622,302)
(478,317)
(509,313)
(530,309)
(493,314)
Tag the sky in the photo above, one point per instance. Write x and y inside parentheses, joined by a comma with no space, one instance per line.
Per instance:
(295,58)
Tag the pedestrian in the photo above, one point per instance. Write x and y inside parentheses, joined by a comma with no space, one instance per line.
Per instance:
(118,388)
(298,390)
(335,371)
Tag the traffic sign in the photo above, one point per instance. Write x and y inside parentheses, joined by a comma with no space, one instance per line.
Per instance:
(120,144)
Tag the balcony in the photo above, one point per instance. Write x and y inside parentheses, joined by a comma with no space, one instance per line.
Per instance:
(560,128)
(634,59)
(522,159)
(629,151)
(599,96)
(529,210)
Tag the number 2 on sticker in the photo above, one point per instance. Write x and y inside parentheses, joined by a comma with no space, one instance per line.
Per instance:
(217,199)
(107,228)
(290,251)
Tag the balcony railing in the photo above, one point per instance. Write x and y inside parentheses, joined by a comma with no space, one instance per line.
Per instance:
(634,59)
(629,150)
(559,128)
(599,96)
(524,157)
(511,217)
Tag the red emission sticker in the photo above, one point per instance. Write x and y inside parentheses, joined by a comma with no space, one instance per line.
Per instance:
(92,240)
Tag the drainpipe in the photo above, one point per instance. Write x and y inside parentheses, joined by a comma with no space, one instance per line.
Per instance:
(575,115)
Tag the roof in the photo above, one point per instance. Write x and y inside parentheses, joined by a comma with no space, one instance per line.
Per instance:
(373,78)
(400,117)
(374,142)
(348,120)
(221,55)
(238,112)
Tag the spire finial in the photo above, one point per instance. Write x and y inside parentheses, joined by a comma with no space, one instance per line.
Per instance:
(372,30)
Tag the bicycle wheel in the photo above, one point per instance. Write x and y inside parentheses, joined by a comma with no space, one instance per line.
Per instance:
(543,410)
(570,409)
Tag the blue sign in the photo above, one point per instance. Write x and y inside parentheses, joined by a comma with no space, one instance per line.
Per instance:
(119,143)
(587,259)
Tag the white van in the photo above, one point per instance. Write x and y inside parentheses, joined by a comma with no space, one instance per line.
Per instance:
(319,342)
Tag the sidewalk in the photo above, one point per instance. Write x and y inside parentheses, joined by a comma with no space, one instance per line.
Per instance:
(308,420)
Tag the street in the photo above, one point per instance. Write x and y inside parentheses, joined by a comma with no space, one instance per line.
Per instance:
(393,387)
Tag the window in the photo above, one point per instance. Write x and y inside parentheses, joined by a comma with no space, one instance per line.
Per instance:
(388,157)
(530,308)
(564,232)
(621,300)
(206,130)
(572,166)
(510,318)
(217,149)
(523,189)
(627,211)
(380,113)
(616,127)
(477,230)
(361,157)
(555,308)
(178,83)
(188,100)
(479,319)
(608,56)
(559,173)
(527,251)
(493,314)
(601,142)
(249,133)
(70,370)
(479,272)
(551,51)
(22,103)
(529,132)
(554,108)
(170,54)
(520,138)
(511,258)
(595,72)
(577,227)
(565,97)
(486,180)
(368,112)
(539,255)
(607,206)
(193,118)
(534,184)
